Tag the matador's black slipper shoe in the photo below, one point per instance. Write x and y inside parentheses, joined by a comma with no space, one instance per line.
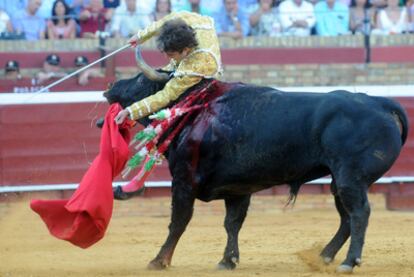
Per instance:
(119,194)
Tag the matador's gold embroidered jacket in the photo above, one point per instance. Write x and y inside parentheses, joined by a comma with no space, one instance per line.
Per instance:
(202,62)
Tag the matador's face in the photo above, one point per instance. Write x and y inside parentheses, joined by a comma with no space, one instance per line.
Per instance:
(178,56)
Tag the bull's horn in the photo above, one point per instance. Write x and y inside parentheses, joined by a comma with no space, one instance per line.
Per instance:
(148,71)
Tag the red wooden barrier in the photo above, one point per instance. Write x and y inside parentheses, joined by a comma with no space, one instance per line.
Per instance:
(54,143)
(397,54)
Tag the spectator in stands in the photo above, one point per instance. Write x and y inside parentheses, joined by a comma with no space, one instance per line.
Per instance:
(45,10)
(265,20)
(84,76)
(332,18)
(61,26)
(297,17)
(410,11)
(162,8)
(12,70)
(360,14)
(378,4)
(127,20)
(214,6)
(392,19)
(76,6)
(111,4)
(94,18)
(5,23)
(143,7)
(51,69)
(13,7)
(197,7)
(232,22)
(347,3)
(205,7)
(27,22)
(248,6)
(179,5)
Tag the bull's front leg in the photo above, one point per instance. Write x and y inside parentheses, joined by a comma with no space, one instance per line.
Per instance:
(236,211)
(182,211)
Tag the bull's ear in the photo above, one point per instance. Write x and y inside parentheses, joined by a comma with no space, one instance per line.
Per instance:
(109,86)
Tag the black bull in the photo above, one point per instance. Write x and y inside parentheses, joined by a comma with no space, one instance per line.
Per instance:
(259,137)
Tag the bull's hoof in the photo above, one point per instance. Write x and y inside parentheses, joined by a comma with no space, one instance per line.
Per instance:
(119,194)
(358,262)
(344,269)
(228,264)
(327,260)
(157,265)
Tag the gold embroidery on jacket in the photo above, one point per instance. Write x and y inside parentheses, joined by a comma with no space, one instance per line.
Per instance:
(202,62)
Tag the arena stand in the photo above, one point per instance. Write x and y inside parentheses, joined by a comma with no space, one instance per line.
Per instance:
(49,140)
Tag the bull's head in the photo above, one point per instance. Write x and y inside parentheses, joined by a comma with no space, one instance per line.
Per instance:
(128,91)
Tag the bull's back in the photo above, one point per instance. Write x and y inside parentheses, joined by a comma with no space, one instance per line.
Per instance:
(261,134)
(265,117)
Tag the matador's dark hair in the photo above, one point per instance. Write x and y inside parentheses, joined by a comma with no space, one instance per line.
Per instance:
(175,35)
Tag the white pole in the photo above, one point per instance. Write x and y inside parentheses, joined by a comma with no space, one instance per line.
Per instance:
(53,187)
(160,184)
(82,69)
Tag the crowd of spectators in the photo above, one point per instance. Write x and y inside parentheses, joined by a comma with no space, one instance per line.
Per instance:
(65,19)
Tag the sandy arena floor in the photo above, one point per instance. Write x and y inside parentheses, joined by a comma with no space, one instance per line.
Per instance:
(273,242)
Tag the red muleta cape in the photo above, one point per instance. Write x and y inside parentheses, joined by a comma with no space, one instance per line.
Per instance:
(83,219)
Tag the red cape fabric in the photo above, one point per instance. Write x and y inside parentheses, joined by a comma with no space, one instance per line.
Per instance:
(83,219)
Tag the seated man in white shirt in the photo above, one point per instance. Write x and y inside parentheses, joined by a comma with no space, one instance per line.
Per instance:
(297,17)
(128,19)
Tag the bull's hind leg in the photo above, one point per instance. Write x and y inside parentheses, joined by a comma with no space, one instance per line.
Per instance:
(236,211)
(341,236)
(353,196)
(182,211)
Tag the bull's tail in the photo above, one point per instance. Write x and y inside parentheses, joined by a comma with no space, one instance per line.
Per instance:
(402,116)
(398,112)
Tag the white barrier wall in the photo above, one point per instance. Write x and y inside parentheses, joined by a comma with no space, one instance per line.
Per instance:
(96,96)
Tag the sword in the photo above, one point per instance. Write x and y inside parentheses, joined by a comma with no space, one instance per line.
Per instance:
(83,68)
